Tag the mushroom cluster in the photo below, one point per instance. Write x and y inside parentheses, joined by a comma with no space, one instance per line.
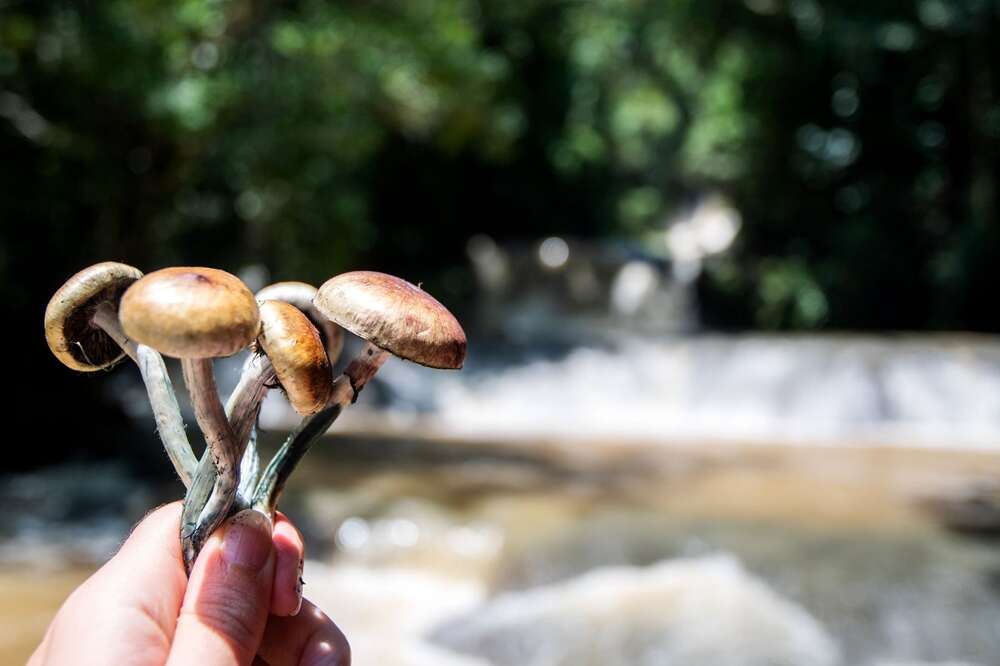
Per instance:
(111,310)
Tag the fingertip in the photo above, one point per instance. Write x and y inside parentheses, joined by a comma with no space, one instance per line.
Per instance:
(286,594)
(225,607)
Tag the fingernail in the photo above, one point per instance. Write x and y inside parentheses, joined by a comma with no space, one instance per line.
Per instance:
(247,540)
(298,590)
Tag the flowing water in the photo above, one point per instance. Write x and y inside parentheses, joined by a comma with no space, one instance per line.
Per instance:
(941,391)
(715,501)
(762,556)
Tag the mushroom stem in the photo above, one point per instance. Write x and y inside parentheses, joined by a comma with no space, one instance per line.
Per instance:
(241,410)
(345,392)
(364,366)
(249,473)
(106,319)
(257,378)
(162,399)
(224,450)
(276,474)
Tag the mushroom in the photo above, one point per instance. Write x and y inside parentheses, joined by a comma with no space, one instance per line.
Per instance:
(196,314)
(395,318)
(301,295)
(83,332)
(289,350)
(299,358)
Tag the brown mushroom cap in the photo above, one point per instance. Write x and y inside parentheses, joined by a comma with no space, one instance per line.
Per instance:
(395,315)
(297,354)
(301,295)
(68,330)
(189,312)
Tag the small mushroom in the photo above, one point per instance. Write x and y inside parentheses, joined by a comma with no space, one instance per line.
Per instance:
(395,318)
(81,320)
(196,314)
(297,354)
(83,331)
(291,352)
(301,295)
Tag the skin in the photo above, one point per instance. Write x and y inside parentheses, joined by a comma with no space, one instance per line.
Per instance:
(241,606)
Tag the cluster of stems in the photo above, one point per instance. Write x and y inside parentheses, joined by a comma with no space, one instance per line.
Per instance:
(228,477)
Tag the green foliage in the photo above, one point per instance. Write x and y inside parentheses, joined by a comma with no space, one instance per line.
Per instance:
(858,140)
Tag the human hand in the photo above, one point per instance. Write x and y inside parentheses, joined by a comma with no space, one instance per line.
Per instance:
(243,599)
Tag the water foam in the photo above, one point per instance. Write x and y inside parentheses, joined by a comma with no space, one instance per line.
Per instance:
(919,391)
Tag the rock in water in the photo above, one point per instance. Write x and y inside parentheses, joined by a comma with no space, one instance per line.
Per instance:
(707,611)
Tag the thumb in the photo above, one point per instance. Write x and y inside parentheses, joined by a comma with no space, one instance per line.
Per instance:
(226,603)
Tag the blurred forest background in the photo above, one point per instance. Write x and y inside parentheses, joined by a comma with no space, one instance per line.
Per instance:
(859,142)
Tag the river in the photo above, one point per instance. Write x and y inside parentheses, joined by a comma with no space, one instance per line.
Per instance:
(711,500)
